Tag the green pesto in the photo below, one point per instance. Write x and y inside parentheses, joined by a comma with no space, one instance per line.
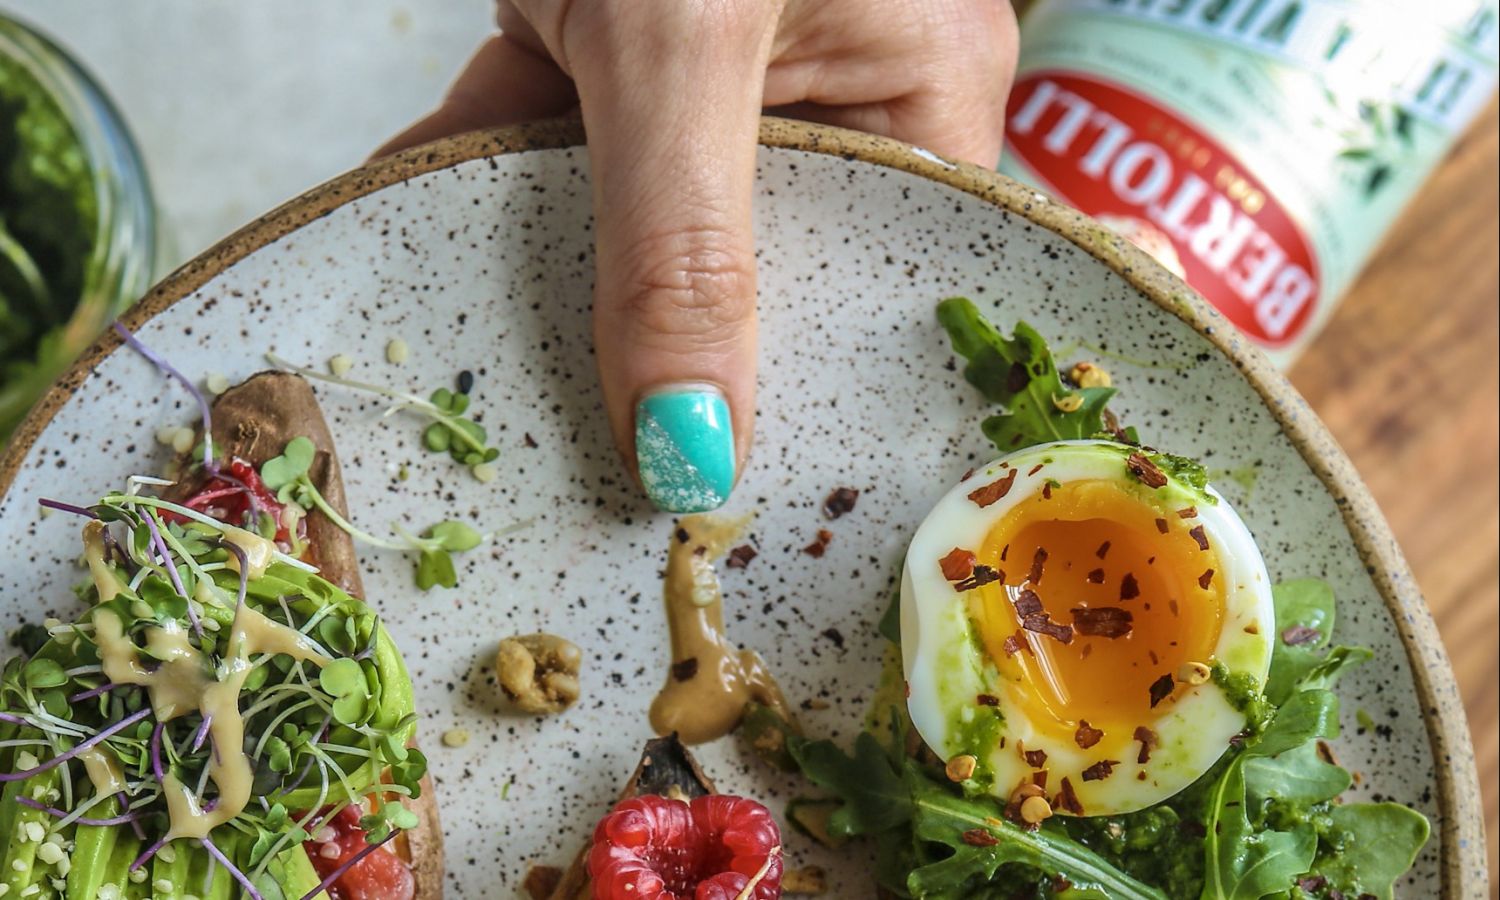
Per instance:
(1244,693)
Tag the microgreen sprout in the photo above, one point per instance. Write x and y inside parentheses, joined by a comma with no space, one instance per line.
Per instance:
(288,476)
(449,430)
(168,370)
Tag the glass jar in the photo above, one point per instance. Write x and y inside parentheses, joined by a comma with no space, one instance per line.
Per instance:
(78,229)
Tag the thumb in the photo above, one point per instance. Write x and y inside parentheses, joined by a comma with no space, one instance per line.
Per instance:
(671,98)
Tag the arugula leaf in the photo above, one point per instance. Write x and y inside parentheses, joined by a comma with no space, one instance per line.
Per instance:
(937,845)
(1302,604)
(1020,374)
(1372,844)
(1298,775)
(1243,862)
(875,798)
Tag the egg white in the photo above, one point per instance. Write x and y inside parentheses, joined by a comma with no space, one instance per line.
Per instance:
(946,667)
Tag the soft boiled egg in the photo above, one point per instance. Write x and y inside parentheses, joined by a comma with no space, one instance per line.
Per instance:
(1068,615)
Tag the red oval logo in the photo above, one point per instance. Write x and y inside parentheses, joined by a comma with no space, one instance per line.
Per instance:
(1160,181)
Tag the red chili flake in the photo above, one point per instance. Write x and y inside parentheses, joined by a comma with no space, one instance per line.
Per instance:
(1087,735)
(740,556)
(1047,491)
(1095,576)
(1067,799)
(1190,513)
(1300,634)
(1161,689)
(1102,621)
(980,837)
(958,564)
(1035,758)
(1172,604)
(1037,563)
(981,575)
(967,475)
(1005,553)
(1312,884)
(1035,469)
(840,501)
(1129,587)
(1198,534)
(1161,525)
(685,669)
(987,700)
(818,547)
(1042,624)
(1146,471)
(1028,603)
(1206,578)
(993,491)
(700,550)
(1148,740)
(1015,644)
(1086,651)
(1100,770)
(529,441)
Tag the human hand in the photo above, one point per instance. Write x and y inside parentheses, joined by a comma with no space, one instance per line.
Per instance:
(671,93)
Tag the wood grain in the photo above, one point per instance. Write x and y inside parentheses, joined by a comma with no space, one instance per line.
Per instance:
(1406,377)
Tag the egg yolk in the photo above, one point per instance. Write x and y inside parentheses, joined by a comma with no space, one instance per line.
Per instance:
(1128,593)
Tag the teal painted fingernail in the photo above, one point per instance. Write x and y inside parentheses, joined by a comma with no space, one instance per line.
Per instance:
(684,447)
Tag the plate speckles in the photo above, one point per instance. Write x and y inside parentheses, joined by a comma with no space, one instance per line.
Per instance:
(486,264)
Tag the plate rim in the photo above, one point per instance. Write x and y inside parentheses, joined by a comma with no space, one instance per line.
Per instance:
(1459,800)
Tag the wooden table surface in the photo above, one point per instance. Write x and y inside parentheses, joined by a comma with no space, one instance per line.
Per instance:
(1406,377)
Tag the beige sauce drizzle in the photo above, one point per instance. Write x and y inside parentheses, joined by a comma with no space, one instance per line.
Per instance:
(710,703)
(105,578)
(184,682)
(103,770)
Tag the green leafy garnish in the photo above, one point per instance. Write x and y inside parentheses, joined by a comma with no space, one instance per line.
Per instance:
(344,680)
(1020,374)
(389,817)
(287,474)
(449,430)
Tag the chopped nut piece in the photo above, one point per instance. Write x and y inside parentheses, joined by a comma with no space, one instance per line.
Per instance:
(539,672)
(1194,673)
(740,556)
(820,545)
(961,768)
(1100,770)
(806,881)
(1068,402)
(1161,689)
(1089,375)
(1035,810)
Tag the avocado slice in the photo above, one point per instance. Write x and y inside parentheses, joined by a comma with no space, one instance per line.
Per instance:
(94,847)
(24,830)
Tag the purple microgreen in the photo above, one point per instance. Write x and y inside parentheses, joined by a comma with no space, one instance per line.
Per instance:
(168,370)
(81,820)
(146,854)
(68,508)
(353,861)
(157,769)
(99,738)
(92,693)
(244,561)
(239,876)
(202,733)
(166,557)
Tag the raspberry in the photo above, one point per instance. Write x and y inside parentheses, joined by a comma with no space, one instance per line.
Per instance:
(657,848)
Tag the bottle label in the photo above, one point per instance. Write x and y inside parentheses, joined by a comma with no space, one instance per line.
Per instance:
(1259,148)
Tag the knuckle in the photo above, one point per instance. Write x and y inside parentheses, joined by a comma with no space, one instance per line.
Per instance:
(696,284)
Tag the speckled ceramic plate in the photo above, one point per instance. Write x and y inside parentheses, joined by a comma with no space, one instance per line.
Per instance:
(477,253)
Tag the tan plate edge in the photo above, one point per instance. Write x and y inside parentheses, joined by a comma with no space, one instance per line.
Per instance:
(1461,829)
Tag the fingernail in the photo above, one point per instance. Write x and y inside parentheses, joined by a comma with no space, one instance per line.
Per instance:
(684,447)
